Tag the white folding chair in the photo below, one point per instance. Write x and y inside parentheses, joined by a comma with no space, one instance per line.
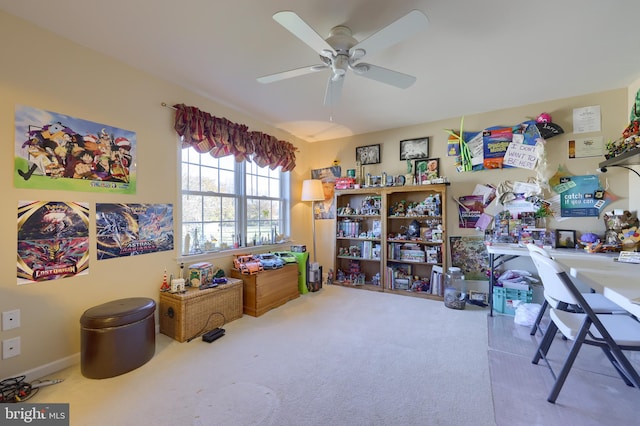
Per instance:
(599,303)
(612,333)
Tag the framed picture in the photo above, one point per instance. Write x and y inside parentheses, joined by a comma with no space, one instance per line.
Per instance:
(427,169)
(478,296)
(368,154)
(414,149)
(565,238)
(470,254)
(326,209)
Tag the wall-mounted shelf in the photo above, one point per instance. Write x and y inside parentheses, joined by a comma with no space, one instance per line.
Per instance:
(629,158)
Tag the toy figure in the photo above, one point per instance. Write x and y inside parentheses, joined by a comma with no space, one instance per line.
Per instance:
(165,284)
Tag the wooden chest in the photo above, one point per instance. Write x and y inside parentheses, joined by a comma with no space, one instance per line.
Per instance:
(194,312)
(268,289)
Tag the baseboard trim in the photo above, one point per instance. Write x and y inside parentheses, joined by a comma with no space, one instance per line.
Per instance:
(55,366)
(50,368)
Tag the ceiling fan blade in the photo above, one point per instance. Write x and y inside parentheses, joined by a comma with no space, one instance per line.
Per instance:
(296,26)
(291,73)
(334,90)
(383,75)
(399,30)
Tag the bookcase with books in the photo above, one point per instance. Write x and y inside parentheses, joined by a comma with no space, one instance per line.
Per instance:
(358,249)
(392,239)
(415,240)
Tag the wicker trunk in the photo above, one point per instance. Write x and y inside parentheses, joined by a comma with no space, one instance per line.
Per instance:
(194,312)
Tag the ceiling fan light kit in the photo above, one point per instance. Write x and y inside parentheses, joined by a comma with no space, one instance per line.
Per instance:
(341,52)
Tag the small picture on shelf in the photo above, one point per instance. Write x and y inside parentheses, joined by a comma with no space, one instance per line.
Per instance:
(427,170)
(376,229)
(565,238)
(478,296)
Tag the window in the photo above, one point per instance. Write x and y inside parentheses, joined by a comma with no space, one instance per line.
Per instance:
(226,204)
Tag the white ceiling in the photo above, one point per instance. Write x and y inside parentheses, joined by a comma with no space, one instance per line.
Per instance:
(475,56)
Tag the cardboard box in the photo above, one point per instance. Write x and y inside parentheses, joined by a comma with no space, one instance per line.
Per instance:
(200,273)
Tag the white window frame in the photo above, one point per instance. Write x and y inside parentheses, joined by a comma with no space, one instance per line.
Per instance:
(241,212)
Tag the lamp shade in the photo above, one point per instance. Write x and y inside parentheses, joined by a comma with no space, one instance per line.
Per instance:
(312,190)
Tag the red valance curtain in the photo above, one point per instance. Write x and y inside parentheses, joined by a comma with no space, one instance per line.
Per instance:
(221,137)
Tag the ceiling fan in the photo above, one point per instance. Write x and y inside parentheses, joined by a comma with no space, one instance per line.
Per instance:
(341,52)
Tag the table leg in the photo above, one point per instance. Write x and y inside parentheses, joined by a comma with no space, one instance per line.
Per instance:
(491,282)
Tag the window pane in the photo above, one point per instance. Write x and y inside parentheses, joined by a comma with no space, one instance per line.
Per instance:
(228,208)
(212,233)
(209,179)
(207,160)
(227,182)
(227,163)
(253,209)
(274,188)
(190,177)
(191,208)
(263,187)
(211,210)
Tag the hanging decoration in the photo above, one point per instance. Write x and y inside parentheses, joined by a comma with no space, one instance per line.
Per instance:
(221,137)
(500,147)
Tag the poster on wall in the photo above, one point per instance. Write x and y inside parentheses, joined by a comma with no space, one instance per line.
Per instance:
(470,254)
(581,196)
(470,208)
(496,140)
(56,151)
(53,240)
(133,229)
(326,209)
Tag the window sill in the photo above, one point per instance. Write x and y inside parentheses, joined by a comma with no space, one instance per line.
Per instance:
(201,257)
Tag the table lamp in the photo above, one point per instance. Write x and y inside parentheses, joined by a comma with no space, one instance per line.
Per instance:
(312,191)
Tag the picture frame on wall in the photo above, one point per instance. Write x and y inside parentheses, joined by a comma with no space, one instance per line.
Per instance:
(427,169)
(565,238)
(414,149)
(368,154)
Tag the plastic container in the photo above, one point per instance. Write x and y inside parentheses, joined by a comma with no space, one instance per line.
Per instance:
(455,289)
(503,299)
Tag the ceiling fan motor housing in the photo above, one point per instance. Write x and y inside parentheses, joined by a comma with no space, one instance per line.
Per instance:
(341,40)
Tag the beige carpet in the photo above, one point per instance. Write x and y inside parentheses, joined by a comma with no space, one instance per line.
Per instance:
(340,356)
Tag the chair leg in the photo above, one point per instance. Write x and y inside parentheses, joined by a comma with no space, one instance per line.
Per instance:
(568,363)
(545,344)
(625,366)
(616,365)
(536,324)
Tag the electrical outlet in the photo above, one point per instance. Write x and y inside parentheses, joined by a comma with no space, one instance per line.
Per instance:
(10,319)
(10,347)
